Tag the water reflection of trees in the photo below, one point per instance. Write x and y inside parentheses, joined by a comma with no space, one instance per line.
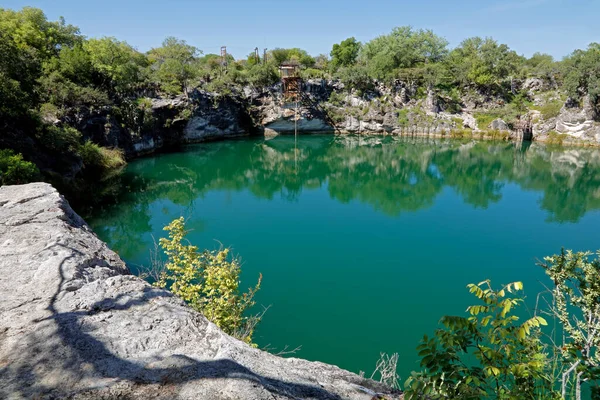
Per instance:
(392,175)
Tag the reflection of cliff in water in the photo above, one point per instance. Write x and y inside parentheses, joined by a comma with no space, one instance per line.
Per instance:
(391,174)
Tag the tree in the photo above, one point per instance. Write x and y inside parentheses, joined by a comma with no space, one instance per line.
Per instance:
(27,41)
(403,48)
(174,65)
(483,63)
(70,80)
(279,56)
(322,61)
(263,75)
(356,77)
(252,59)
(120,66)
(582,73)
(32,32)
(542,66)
(345,53)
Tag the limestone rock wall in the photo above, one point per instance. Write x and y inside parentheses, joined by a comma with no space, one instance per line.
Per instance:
(74,323)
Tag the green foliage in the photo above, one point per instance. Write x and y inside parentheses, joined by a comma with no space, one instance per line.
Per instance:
(252,60)
(550,109)
(209,282)
(582,73)
(489,353)
(322,62)
(119,65)
(483,63)
(262,75)
(100,159)
(542,66)
(64,93)
(60,139)
(337,99)
(356,77)
(556,138)
(345,53)
(403,119)
(461,133)
(14,170)
(312,73)
(27,41)
(210,65)
(279,55)
(576,303)
(403,48)
(508,113)
(484,119)
(31,31)
(174,64)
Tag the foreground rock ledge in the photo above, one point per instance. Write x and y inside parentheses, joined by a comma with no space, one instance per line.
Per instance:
(75,323)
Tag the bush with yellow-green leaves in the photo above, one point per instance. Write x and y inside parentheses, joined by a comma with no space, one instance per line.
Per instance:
(209,281)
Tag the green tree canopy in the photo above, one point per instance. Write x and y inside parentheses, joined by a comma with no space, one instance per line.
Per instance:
(403,48)
(582,73)
(27,40)
(483,62)
(119,64)
(280,55)
(344,54)
(31,31)
(174,64)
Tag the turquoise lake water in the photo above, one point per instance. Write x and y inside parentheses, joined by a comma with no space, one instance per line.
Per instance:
(363,242)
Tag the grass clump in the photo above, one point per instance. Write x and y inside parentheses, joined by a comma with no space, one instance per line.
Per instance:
(461,133)
(101,159)
(556,138)
(485,119)
(550,110)
(458,122)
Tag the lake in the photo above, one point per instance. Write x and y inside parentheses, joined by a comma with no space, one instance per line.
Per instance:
(363,242)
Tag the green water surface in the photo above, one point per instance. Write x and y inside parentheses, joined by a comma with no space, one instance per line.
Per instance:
(364,243)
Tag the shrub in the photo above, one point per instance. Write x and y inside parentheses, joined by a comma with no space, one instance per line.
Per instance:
(14,170)
(337,99)
(576,301)
(556,138)
(59,139)
(312,73)
(460,133)
(486,354)
(356,77)
(458,122)
(262,75)
(209,281)
(100,159)
(484,119)
(550,109)
(403,119)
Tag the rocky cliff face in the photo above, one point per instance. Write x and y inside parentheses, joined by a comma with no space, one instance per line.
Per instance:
(150,124)
(75,324)
(399,109)
(325,106)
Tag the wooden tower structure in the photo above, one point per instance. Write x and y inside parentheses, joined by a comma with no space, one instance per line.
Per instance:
(291,81)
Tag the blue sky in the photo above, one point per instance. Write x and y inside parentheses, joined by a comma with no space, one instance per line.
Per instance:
(552,26)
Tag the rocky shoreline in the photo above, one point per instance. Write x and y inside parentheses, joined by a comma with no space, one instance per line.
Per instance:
(325,106)
(76,324)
